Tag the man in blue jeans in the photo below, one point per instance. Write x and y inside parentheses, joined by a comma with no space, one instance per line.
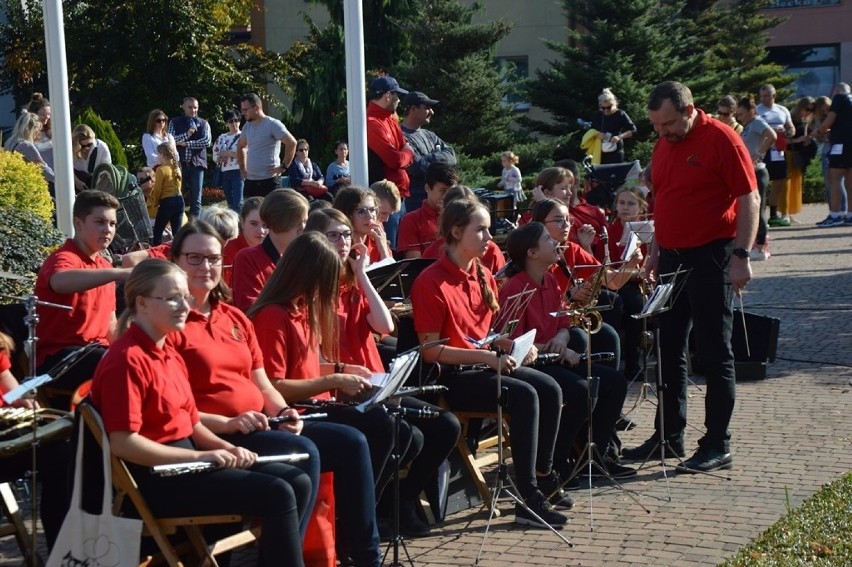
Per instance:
(700,165)
(192,138)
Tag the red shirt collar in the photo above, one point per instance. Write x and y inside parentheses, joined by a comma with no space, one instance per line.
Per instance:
(454,271)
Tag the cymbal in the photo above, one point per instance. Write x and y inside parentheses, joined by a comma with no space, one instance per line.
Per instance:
(11,276)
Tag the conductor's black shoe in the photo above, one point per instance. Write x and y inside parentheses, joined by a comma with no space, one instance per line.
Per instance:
(538,504)
(707,460)
(624,423)
(651,448)
(549,485)
(410,523)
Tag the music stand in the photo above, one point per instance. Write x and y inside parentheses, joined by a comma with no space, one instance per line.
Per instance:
(393,281)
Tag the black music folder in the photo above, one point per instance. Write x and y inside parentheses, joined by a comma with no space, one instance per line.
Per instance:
(394,281)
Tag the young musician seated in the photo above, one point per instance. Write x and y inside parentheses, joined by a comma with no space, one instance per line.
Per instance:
(419,228)
(389,200)
(252,233)
(493,258)
(141,389)
(456,299)
(77,275)
(532,253)
(550,183)
(361,206)
(295,319)
(361,313)
(52,457)
(284,212)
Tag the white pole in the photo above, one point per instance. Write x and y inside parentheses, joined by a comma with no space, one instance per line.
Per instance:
(57,77)
(356,98)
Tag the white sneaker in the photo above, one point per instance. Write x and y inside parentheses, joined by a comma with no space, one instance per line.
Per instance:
(758,255)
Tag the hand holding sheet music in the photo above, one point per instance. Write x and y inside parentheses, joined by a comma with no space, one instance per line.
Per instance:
(522,345)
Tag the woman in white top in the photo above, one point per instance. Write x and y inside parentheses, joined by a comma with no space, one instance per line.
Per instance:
(44,141)
(22,140)
(88,153)
(225,156)
(158,133)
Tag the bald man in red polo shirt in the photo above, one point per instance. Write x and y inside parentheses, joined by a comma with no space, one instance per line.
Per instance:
(706,210)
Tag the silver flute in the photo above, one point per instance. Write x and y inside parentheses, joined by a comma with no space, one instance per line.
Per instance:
(201,466)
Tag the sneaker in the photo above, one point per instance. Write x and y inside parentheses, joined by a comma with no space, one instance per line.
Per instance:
(551,486)
(538,504)
(831,221)
(651,448)
(778,221)
(758,255)
(706,460)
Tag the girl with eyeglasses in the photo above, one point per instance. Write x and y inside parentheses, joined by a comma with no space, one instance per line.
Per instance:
(88,153)
(156,133)
(361,206)
(225,156)
(142,390)
(362,312)
(456,299)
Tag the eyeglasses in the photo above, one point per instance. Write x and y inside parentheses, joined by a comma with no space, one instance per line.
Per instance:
(89,145)
(367,211)
(197,259)
(335,236)
(233,120)
(606,107)
(161,119)
(302,149)
(562,221)
(175,301)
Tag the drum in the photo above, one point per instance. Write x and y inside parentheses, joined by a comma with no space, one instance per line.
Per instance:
(17,424)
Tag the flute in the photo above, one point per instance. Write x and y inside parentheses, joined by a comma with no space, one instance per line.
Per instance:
(286,418)
(200,466)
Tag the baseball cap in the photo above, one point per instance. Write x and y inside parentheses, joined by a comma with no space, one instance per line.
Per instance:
(384,84)
(416,98)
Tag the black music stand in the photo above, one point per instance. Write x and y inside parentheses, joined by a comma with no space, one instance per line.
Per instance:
(394,281)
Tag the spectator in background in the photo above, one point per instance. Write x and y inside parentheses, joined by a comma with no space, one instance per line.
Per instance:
(758,137)
(389,154)
(726,113)
(801,149)
(418,110)
(337,174)
(838,126)
(305,175)
(821,108)
(145,179)
(156,134)
(779,119)
(225,156)
(22,140)
(613,126)
(44,141)
(88,153)
(259,149)
(192,137)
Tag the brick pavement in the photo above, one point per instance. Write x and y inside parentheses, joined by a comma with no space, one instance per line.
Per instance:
(791,435)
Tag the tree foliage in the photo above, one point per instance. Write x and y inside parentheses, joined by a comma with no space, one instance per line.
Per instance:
(22,186)
(127,58)
(105,132)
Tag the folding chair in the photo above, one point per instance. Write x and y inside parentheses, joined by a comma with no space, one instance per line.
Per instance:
(160,528)
(15,525)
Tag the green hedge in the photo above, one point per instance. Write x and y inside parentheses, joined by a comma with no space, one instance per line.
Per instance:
(26,240)
(22,186)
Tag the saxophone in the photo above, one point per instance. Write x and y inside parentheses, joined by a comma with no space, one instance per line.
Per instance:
(583,316)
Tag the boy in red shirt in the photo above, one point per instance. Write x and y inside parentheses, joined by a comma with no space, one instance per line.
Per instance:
(419,228)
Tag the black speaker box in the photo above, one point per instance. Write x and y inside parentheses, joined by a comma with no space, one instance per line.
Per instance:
(762,333)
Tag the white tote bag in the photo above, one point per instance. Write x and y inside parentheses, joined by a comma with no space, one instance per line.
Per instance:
(98,540)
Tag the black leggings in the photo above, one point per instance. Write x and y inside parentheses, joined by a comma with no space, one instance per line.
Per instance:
(534,402)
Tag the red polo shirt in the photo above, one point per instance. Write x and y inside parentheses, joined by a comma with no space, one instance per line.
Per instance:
(252,267)
(450,301)
(584,213)
(91,310)
(417,229)
(697,182)
(220,352)
(290,352)
(357,345)
(229,254)
(493,259)
(546,299)
(574,256)
(5,364)
(162,251)
(142,388)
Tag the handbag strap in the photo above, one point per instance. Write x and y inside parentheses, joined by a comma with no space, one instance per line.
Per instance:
(106,506)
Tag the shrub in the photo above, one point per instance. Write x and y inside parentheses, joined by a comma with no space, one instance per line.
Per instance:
(105,132)
(26,240)
(212,196)
(813,185)
(22,186)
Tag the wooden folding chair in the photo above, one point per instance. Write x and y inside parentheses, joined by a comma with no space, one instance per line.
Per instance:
(15,525)
(161,528)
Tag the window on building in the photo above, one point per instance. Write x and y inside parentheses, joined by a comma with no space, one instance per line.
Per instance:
(818,67)
(514,70)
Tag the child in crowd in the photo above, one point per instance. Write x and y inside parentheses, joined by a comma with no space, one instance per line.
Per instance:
(510,178)
(389,199)
(167,193)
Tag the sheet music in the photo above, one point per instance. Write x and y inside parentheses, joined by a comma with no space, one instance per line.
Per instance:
(643,229)
(630,247)
(379,379)
(401,367)
(659,298)
(20,391)
(522,345)
(381,263)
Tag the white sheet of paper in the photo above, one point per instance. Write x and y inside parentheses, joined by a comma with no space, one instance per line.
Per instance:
(630,247)
(658,298)
(775,155)
(836,150)
(643,229)
(21,390)
(380,263)
(522,346)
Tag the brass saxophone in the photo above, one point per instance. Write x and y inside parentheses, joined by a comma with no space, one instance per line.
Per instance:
(584,317)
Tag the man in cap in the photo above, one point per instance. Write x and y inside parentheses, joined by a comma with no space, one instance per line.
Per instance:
(418,110)
(389,154)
